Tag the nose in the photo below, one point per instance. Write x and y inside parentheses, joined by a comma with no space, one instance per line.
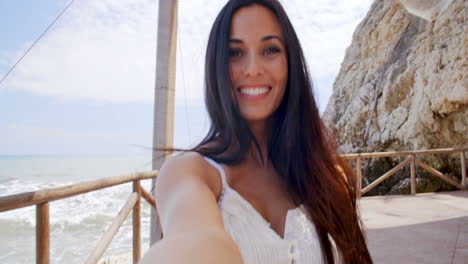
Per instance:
(254,66)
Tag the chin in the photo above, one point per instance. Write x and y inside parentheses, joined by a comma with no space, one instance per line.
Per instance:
(255,118)
(255,114)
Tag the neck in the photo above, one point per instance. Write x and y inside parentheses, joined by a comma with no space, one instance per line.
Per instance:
(259,130)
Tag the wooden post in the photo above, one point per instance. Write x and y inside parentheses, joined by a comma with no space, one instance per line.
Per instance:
(386,175)
(463,170)
(42,234)
(413,175)
(106,239)
(163,125)
(148,197)
(359,179)
(439,174)
(136,224)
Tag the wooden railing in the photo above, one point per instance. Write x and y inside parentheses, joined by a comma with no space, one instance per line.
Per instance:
(42,198)
(413,161)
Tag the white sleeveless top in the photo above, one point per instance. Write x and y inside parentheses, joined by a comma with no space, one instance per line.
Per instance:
(257,241)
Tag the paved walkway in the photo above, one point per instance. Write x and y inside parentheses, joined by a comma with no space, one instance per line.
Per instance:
(426,228)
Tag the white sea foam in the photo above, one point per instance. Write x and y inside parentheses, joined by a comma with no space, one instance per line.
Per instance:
(77,223)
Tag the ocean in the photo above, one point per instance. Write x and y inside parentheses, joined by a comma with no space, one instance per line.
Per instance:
(76,223)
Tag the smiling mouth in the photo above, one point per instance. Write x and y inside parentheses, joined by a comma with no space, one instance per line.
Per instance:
(257,91)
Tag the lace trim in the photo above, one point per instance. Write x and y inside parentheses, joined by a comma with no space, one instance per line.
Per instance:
(222,195)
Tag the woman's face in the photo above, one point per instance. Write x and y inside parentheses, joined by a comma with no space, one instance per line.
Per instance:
(258,62)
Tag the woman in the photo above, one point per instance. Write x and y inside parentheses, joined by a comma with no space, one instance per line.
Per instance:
(265,185)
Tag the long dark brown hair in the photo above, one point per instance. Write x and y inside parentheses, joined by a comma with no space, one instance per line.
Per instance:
(299,146)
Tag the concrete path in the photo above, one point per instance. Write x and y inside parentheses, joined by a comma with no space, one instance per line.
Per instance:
(426,228)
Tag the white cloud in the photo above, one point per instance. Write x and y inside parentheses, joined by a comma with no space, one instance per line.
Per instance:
(100,50)
(325,29)
(105,50)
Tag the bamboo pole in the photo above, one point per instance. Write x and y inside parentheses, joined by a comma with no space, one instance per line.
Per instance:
(148,197)
(413,175)
(386,175)
(438,174)
(359,178)
(112,230)
(402,153)
(463,170)
(42,234)
(31,198)
(164,95)
(136,224)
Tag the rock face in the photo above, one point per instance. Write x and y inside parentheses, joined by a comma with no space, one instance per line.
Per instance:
(427,9)
(403,86)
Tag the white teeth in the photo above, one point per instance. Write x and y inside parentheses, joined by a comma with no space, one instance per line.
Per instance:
(254,91)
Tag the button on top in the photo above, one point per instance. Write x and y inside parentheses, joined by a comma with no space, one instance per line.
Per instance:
(292,249)
(293,246)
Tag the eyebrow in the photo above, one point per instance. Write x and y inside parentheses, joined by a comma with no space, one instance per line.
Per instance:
(263,39)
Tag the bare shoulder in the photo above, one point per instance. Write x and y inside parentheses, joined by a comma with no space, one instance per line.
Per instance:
(186,194)
(190,166)
(186,160)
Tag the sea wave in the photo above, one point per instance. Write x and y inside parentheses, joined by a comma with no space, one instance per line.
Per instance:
(77,223)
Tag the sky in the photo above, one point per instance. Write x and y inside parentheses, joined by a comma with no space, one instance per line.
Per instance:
(87,87)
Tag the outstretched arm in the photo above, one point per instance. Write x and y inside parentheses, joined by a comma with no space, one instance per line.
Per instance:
(190,218)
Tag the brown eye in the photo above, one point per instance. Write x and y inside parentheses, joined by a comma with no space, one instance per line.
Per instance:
(271,50)
(235,53)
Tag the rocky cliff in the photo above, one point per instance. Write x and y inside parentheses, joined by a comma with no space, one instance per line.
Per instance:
(403,85)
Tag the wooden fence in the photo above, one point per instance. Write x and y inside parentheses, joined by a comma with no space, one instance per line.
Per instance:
(412,161)
(42,198)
